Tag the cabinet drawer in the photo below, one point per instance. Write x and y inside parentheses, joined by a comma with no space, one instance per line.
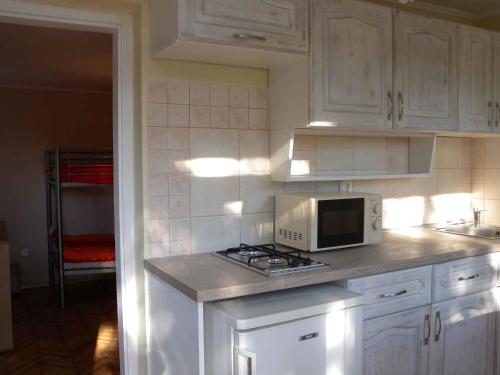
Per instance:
(392,292)
(273,24)
(464,276)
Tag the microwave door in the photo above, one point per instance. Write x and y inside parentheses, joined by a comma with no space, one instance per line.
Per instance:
(341,222)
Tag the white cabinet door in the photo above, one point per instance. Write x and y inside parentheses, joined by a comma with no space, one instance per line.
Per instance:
(326,344)
(397,344)
(475,79)
(496,82)
(463,336)
(277,24)
(351,64)
(426,73)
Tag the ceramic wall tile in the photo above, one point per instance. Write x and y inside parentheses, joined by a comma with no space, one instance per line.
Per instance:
(157,114)
(180,229)
(179,206)
(156,138)
(178,92)
(157,92)
(369,153)
(254,151)
(219,95)
(158,230)
(199,93)
(157,208)
(492,184)
(238,96)
(257,119)
(180,247)
(159,250)
(178,115)
(214,232)
(219,117)
(335,153)
(257,193)
(449,152)
(257,98)
(257,228)
(215,196)
(238,118)
(200,116)
(178,139)
(157,184)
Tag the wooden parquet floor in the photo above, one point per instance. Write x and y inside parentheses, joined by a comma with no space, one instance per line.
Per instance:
(81,339)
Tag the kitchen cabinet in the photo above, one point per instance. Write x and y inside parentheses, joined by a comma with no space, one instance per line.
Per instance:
(259,33)
(463,336)
(496,82)
(476,96)
(398,343)
(351,59)
(426,73)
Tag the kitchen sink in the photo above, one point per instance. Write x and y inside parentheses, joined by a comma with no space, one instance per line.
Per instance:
(489,232)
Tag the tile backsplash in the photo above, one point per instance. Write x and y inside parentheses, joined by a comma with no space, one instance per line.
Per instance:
(207,180)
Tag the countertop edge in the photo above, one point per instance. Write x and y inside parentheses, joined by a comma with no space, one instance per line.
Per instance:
(307,279)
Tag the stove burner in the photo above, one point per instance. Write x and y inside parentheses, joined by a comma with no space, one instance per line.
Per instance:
(275,259)
(268,260)
(250,252)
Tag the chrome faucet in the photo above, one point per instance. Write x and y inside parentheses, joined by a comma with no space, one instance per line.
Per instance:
(477,216)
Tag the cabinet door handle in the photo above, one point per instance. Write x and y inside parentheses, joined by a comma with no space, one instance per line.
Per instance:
(401,106)
(475,276)
(390,101)
(490,114)
(497,114)
(390,295)
(428,329)
(437,329)
(242,36)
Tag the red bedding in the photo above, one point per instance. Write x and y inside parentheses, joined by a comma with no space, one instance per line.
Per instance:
(91,173)
(89,248)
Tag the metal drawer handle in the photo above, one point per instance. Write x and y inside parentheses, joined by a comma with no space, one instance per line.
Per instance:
(438,330)
(390,295)
(391,105)
(497,113)
(242,36)
(490,114)
(309,336)
(401,106)
(475,276)
(428,329)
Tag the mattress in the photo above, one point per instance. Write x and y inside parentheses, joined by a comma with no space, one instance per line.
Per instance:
(88,173)
(89,251)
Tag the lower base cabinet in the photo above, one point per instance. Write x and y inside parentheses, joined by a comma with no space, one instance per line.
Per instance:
(463,341)
(455,337)
(396,344)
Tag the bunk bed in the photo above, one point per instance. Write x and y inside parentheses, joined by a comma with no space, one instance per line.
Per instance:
(86,254)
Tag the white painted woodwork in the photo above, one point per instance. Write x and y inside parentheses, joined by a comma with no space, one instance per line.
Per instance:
(464,276)
(421,149)
(466,342)
(351,59)
(271,32)
(497,331)
(392,292)
(394,344)
(476,98)
(426,73)
(174,330)
(311,330)
(496,82)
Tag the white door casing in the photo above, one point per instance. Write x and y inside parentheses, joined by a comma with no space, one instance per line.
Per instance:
(126,156)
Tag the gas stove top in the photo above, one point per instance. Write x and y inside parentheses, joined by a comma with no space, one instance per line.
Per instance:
(270,261)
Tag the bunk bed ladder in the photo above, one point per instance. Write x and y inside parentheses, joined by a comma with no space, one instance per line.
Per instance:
(48,197)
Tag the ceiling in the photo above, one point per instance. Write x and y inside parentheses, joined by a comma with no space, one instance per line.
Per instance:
(41,57)
(471,6)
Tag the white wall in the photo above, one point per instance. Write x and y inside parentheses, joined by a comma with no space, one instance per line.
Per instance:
(32,121)
(207,178)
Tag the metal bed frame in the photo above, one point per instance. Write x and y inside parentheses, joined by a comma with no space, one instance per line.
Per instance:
(53,160)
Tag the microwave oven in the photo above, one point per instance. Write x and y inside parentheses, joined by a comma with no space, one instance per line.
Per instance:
(327,221)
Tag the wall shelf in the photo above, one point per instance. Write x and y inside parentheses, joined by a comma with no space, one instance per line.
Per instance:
(335,154)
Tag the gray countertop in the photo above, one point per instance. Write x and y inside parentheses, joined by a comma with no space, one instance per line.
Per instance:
(205,277)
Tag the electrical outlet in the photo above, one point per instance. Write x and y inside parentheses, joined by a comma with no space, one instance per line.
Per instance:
(25,252)
(345,186)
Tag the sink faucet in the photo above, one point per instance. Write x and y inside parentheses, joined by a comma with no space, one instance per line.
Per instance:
(477,216)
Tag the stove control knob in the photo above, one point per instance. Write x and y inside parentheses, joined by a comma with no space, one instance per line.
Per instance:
(376,223)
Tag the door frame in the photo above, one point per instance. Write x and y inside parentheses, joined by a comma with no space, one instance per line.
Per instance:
(126,154)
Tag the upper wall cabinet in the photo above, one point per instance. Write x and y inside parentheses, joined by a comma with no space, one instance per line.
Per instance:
(426,74)
(259,33)
(351,48)
(476,100)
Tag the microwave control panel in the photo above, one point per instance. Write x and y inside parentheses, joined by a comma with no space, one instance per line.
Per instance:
(376,218)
